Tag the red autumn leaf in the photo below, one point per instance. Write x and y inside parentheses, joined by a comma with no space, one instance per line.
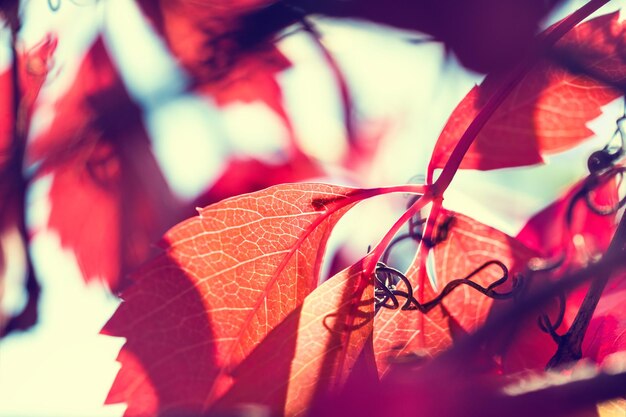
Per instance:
(243,176)
(74,114)
(203,36)
(97,198)
(108,199)
(548,110)
(198,32)
(252,78)
(565,244)
(468,245)
(226,280)
(588,233)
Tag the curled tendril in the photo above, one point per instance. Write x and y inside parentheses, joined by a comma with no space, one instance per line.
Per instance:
(388,280)
(411,234)
(546,324)
(605,158)
(603,168)
(536,265)
(604,178)
(54,5)
(416,222)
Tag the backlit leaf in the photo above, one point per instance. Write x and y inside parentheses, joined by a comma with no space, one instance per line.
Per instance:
(549,109)
(226,280)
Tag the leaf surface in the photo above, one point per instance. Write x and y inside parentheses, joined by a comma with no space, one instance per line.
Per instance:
(312,352)
(226,280)
(548,110)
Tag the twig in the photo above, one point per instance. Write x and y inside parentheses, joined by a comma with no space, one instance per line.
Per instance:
(570,344)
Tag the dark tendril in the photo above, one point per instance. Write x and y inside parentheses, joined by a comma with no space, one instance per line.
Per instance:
(547,326)
(54,5)
(604,159)
(602,169)
(608,209)
(388,279)
(416,222)
(548,265)
(441,232)
(413,235)
(416,227)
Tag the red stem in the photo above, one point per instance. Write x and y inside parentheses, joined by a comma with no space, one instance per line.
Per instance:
(379,249)
(423,249)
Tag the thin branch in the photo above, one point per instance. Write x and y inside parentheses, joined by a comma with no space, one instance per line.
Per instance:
(570,344)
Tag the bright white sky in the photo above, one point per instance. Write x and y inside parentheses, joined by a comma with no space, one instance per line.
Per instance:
(63,367)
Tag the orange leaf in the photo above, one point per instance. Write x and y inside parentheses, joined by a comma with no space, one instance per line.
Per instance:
(226,280)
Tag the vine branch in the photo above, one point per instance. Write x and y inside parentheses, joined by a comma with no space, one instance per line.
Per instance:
(570,344)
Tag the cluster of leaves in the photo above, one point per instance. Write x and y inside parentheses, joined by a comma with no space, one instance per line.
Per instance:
(230,313)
